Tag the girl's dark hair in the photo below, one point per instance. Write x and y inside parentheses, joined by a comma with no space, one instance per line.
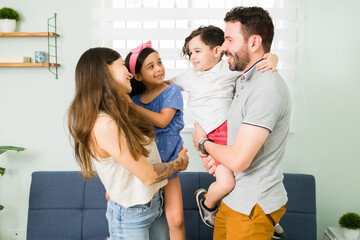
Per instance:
(96,91)
(254,20)
(138,87)
(212,36)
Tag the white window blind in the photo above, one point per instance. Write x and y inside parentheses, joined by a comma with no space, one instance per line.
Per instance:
(124,24)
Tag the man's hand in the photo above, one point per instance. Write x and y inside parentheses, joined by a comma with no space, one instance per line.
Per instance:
(208,163)
(197,135)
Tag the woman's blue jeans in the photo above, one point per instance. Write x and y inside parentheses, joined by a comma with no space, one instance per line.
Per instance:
(140,222)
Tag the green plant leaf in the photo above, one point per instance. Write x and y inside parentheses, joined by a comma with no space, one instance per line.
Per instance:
(8,148)
(2,150)
(9,13)
(350,220)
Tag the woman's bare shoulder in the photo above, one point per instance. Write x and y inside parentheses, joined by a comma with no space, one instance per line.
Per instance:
(104,124)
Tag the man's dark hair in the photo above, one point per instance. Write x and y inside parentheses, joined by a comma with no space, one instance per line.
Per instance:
(254,20)
(212,36)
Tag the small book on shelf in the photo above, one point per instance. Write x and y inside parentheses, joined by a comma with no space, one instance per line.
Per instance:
(15,59)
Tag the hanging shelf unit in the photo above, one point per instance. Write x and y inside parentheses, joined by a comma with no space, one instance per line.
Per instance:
(52,46)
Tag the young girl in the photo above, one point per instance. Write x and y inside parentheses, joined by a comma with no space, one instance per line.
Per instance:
(162,106)
(107,132)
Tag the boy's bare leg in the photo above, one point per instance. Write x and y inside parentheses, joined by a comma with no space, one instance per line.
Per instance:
(224,183)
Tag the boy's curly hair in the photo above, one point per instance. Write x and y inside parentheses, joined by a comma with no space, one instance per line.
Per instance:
(210,35)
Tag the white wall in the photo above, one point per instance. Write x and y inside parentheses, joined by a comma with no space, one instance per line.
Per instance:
(33,105)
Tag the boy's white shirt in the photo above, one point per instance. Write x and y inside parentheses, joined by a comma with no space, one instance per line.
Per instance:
(210,93)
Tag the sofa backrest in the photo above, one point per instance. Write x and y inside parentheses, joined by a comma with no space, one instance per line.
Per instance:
(64,206)
(299,221)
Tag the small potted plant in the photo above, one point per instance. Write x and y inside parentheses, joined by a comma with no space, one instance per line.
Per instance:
(350,222)
(2,150)
(8,19)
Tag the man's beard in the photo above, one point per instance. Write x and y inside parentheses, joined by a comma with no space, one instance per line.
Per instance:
(240,60)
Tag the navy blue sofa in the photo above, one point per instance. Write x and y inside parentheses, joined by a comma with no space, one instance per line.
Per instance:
(64,207)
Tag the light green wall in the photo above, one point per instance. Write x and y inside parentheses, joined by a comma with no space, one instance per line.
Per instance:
(327,115)
(33,105)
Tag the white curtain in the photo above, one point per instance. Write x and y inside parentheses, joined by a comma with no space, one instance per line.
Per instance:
(124,24)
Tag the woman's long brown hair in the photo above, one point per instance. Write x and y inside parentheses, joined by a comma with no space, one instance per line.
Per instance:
(96,92)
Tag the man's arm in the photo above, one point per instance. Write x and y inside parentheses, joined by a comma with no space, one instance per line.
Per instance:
(239,156)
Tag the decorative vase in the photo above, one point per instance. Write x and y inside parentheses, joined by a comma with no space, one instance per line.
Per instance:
(351,234)
(7,25)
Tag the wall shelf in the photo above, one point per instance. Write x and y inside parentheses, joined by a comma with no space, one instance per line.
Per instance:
(52,46)
(29,34)
(29,65)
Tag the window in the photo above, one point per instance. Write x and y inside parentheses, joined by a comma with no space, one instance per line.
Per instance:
(124,24)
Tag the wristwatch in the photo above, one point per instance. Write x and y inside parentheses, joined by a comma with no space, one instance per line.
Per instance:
(201,145)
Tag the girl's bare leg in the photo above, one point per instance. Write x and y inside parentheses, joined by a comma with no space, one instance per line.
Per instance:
(174,209)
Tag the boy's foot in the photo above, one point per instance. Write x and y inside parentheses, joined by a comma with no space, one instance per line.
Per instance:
(279,232)
(207,215)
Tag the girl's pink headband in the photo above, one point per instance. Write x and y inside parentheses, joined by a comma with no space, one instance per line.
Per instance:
(135,54)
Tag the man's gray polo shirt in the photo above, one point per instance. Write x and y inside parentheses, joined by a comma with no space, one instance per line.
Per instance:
(261,99)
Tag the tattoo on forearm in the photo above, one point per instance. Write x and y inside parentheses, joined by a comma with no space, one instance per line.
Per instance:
(165,170)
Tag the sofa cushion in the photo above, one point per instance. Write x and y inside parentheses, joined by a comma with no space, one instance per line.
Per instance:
(62,206)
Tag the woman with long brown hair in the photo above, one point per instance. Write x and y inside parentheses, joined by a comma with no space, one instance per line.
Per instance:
(109,134)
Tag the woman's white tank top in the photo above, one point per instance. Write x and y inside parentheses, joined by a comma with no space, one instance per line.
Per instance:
(122,186)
